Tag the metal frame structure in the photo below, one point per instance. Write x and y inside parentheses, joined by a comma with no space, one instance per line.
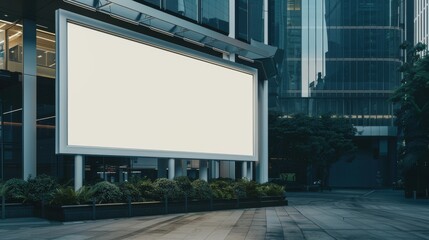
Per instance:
(62,18)
(170,25)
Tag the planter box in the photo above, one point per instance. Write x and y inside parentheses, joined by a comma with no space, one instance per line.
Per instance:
(120,210)
(17,210)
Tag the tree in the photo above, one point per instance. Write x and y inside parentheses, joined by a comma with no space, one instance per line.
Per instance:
(318,141)
(413,113)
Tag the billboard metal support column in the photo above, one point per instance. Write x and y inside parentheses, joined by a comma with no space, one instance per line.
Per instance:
(29,100)
(262,164)
(78,172)
(171,168)
(215,169)
(250,171)
(244,170)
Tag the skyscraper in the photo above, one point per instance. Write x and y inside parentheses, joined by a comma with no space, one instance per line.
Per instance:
(421,19)
(341,57)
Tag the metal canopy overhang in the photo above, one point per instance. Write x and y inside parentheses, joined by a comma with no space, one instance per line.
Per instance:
(159,21)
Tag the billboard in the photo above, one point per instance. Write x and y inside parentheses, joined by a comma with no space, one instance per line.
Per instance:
(127,94)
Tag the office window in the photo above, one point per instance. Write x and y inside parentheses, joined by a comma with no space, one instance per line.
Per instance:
(249,20)
(215,14)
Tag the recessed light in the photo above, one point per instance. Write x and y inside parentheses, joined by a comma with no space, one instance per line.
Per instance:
(39,56)
(6,15)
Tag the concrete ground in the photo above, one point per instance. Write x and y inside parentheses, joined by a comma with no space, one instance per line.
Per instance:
(346,214)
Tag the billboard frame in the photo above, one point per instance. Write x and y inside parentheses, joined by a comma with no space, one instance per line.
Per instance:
(63,17)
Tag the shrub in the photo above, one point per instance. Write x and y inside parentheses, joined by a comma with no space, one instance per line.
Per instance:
(64,196)
(129,190)
(184,185)
(15,190)
(222,189)
(2,190)
(105,192)
(246,188)
(146,189)
(84,195)
(41,187)
(202,190)
(239,189)
(270,189)
(166,188)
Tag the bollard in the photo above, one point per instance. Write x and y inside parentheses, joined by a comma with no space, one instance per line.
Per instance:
(415,195)
(3,207)
(166,204)
(211,202)
(93,209)
(43,206)
(129,206)
(186,202)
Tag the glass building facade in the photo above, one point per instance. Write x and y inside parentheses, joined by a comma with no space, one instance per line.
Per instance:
(341,58)
(335,56)
(213,15)
(421,22)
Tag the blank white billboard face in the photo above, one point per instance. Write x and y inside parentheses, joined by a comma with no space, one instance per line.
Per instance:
(126,97)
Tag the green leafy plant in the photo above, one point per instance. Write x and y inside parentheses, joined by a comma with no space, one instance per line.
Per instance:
(146,189)
(184,185)
(270,189)
(129,191)
(64,196)
(166,188)
(106,192)
(222,189)
(246,188)
(202,190)
(84,195)
(41,187)
(15,190)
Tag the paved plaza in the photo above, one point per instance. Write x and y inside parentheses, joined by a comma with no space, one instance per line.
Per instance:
(340,214)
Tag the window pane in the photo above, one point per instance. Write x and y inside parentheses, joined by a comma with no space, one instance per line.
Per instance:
(215,14)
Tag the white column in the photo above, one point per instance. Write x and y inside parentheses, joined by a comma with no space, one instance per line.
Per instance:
(262,164)
(227,169)
(78,172)
(29,100)
(162,168)
(184,167)
(215,169)
(232,18)
(266,21)
(250,171)
(171,170)
(244,170)
(203,170)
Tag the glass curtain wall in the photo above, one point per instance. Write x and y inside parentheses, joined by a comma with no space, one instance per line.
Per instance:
(340,57)
(249,20)
(211,14)
(11,104)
